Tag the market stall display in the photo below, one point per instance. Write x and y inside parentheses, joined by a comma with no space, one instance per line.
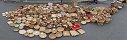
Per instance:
(57,20)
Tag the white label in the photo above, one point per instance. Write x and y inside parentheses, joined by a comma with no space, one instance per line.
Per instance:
(50,4)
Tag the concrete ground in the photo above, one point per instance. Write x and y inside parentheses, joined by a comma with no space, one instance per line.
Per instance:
(115,30)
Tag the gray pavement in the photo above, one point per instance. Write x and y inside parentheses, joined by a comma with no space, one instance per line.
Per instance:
(115,30)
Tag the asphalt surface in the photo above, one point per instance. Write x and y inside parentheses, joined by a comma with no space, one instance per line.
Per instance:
(115,30)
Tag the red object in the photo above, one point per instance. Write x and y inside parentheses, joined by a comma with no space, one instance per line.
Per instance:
(88,16)
(75,27)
